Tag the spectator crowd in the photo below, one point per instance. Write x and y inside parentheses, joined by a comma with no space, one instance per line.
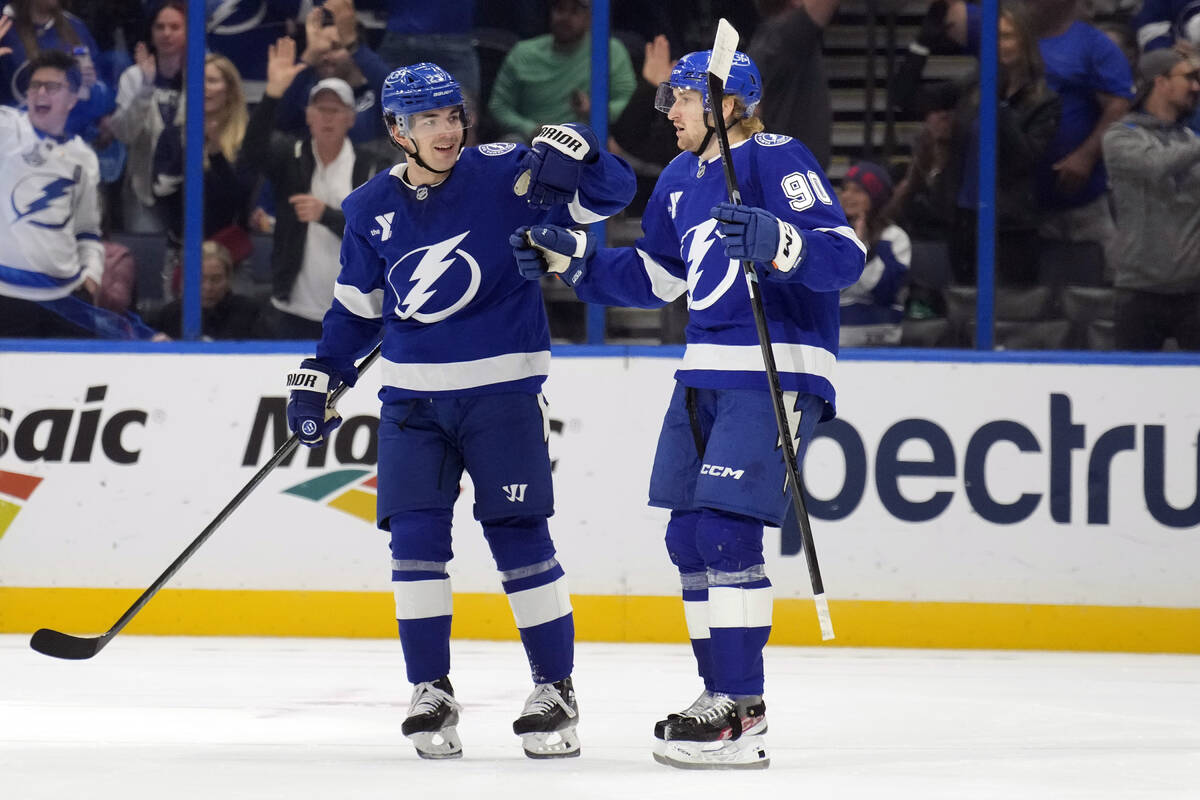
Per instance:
(1097,190)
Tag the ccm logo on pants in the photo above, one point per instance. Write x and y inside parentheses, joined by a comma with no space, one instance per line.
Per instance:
(717,471)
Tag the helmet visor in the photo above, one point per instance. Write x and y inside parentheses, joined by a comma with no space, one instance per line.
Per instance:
(668,95)
(427,124)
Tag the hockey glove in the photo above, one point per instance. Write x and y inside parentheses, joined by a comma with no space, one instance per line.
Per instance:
(307,415)
(550,249)
(755,234)
(550,172)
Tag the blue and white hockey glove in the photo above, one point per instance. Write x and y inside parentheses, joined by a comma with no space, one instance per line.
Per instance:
(755,234)
(307,415)
(550,172)
(550,249)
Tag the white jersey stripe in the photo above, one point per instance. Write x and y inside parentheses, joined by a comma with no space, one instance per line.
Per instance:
(848,232)
(795,358)
(454,375)
(368,305)
(582,215)
(664,285)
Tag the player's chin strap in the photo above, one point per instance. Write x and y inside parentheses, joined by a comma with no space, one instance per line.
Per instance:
(711,131)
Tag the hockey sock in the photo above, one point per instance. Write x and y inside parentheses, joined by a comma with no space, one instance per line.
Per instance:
(536,586)
(739,599)
(693,579)
(420,549)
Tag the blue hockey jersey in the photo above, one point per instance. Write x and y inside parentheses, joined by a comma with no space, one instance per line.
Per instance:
(680,251)
(432,266)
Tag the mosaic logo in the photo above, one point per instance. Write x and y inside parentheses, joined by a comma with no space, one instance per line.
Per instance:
(15,490)
(352,491)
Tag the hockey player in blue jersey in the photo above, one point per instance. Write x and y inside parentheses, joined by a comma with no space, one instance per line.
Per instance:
(718,467)
(465,350)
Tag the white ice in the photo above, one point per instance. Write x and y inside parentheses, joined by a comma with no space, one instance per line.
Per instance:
(155,717)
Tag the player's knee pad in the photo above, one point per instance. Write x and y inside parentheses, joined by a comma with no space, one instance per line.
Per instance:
(421,536)
(681,542)
(730,543)
(518,541)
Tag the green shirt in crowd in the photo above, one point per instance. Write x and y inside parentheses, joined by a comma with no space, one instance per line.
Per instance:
(536,81)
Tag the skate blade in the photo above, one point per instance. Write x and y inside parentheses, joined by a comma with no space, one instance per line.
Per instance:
(745,753)
(557,744)
(438,744)
(660,750)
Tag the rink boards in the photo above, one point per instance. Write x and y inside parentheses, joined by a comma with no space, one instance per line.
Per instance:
(1000,505)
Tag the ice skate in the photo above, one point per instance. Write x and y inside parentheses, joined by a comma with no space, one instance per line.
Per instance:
(432,720)
(704,701)
(547,723)
(726,735)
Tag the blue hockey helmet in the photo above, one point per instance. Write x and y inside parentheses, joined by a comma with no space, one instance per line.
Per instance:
(420,87)
(691,72)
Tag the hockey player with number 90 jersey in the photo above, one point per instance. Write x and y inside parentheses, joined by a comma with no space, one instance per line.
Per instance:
(718,467)
(466,348)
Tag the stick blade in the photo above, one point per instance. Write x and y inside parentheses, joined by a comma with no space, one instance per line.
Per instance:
(61,645)
(724,46)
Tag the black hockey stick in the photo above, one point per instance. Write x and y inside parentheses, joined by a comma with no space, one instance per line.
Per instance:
(62,645)
(719,64)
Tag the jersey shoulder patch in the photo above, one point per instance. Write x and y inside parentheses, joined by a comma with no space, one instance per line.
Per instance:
(771,139)
(497,148)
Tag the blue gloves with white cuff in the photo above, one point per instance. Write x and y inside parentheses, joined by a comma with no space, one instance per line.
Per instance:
(550,172)
(307,414)
(552,249)
(757,235)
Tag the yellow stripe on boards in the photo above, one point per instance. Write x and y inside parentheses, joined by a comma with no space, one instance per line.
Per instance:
(858,623)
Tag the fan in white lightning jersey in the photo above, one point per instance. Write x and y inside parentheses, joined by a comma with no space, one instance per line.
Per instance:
(49,215)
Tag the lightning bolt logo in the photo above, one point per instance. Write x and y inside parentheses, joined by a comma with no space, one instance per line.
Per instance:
(793,421)
(702,240)
(59,187)
(435,260)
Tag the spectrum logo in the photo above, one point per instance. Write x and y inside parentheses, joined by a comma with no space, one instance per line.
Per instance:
(350,490)
(14,487)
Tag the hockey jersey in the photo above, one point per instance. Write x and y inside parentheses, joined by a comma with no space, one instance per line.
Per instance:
(680,251)
(49,212)
(431,265)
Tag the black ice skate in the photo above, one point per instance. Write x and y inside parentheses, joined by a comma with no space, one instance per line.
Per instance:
(700,704)
(432,720)
(728,734)
(547,723)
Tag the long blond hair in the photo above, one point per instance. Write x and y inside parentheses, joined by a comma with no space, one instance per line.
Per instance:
(234,116)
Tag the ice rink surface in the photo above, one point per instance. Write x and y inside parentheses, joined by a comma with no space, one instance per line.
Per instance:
(154,717)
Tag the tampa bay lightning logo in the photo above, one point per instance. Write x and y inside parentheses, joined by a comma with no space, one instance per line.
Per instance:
(231,17)
(771,139)
(1187,22)
(496,148)
(435,281)
(43,199)
(697,242)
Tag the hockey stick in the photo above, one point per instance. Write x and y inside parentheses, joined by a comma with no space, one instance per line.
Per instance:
(62,645)
(719,65)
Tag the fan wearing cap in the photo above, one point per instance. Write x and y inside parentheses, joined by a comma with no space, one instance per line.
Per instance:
(873,308)
(1154,172)
(309,177)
